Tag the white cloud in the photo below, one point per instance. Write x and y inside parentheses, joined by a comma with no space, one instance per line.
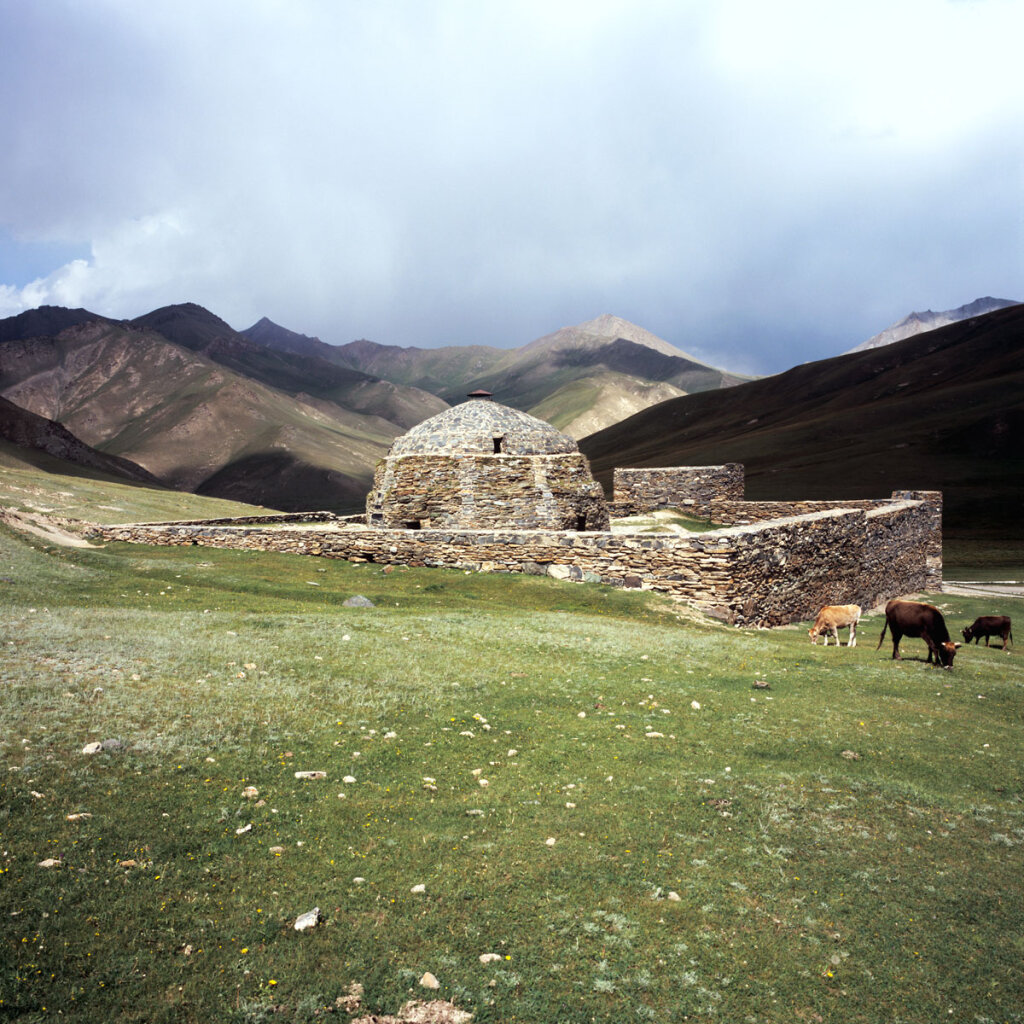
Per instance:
(462,172)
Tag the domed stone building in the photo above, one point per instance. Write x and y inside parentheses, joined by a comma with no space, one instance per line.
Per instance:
(482,465)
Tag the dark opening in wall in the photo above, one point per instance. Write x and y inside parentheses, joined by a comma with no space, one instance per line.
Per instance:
(412,524)
(581,521)
(499,445)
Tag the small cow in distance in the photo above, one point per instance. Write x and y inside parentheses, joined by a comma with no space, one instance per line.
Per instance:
(989,625)
(831,618)
(914,618)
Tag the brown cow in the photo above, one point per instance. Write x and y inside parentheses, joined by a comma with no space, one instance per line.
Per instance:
(831,618)
(986,626)
(914,618)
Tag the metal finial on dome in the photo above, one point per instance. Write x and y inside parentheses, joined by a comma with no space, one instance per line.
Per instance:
(480,393)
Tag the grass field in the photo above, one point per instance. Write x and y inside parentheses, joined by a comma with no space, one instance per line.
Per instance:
(584,781)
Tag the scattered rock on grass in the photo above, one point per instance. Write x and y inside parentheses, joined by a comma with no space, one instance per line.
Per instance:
(357,601)
(308,920)
(351,1000)
(436,1011)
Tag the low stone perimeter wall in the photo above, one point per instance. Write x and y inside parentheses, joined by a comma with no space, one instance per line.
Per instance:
(690,488)
(764,574)
(271,518)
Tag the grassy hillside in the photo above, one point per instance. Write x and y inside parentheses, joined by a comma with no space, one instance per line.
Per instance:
(593,798)
(943,410)
(32,481)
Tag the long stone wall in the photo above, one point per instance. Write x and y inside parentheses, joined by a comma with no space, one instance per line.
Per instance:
(726,512)
(690,488)
(743,513)
(764,574)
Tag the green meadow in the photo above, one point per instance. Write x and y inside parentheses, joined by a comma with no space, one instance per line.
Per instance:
(567,803)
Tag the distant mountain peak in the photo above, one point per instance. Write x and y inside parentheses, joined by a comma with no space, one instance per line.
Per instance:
(918,323)
(273,335)
(605,329)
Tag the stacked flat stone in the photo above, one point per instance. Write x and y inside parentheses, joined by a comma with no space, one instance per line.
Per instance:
(482,465)
(473,427)
(767,573)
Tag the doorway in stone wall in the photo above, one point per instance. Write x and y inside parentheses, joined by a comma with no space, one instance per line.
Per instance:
(499,445)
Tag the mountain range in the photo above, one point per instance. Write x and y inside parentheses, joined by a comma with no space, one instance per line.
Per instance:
(276,418)
(578,378)
(941,410)
(190,416)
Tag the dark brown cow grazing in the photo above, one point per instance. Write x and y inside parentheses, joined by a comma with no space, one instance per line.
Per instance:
(986,626)
(913,618)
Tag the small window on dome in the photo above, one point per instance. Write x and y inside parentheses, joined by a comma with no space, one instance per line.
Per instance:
(499,445)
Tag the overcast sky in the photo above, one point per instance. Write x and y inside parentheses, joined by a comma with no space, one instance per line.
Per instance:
(759,183)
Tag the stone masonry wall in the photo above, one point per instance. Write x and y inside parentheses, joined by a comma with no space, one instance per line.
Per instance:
(725,512)
(689,488)
(763,574)
(554,492)
(742,513)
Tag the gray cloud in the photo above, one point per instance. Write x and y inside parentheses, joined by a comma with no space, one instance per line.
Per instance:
(760,184)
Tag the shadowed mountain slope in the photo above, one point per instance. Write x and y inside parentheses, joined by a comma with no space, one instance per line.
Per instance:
(305,374)
(445,371)
(942,410)
(27,430)
(192,422)
(43,322)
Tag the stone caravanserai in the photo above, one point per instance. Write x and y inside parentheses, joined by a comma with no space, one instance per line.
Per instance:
(481,465)
(488,488)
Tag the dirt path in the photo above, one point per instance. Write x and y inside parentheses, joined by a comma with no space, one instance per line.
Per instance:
(43,527)
(982,588)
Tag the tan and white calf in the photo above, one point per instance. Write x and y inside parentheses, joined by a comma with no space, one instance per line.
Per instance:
(831,618)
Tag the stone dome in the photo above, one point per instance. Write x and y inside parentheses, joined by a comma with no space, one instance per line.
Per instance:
(483,427)
(481,465)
